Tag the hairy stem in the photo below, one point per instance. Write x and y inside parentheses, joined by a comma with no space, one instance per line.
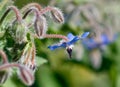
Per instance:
(4,15)
(46,9)
(25,15)
(16,11)
(38,6)
(4,57)
(9,65)
(55,36)
(37,10)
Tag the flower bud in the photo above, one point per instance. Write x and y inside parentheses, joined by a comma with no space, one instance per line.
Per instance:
(40,25)
(57,15)
(26,76)
(28,57)
(20,32)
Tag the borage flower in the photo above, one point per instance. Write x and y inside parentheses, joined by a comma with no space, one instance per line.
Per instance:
(69,43)
(91,43)
(94,44)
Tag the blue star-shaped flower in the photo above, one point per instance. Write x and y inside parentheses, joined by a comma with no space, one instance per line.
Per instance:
(90,43)
(71,40)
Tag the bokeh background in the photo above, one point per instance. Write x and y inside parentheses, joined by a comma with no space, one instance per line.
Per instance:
(55,68)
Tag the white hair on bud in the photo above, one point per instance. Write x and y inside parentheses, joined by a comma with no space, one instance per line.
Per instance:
(40,25)
(21,32)
(28,57)
(57,15)
(26,76)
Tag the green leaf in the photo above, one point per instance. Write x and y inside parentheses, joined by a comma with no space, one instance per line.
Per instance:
(40,60)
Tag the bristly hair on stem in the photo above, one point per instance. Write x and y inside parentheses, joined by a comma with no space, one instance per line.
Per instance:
(26,7)
(4,74)
(56,36)
(25,74)
(4,57)
(59,36)
(16,11)
(28,57)
(26,10)
(40,23)
(21,27)
(56,13)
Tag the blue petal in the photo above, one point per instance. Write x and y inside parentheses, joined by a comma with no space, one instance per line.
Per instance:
(70,36)
(53,47)
(64,45)
(84,35)
(72,39)
(89,43)
(105,39)
(75,39)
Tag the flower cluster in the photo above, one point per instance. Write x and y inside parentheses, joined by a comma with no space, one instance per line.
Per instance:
(71,39)
(21,30)
(97,43)
(24,73)
(94,42)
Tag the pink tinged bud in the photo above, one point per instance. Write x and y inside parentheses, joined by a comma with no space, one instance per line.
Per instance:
(40,25)
(26,76)
(57,15)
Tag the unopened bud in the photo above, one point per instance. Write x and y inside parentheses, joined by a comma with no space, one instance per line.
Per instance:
(26,76)
(40,26)
(28,57)
(57,15)
(20,32)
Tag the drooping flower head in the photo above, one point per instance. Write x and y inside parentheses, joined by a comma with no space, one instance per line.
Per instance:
(91,42)
(94,46)
(69,43)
